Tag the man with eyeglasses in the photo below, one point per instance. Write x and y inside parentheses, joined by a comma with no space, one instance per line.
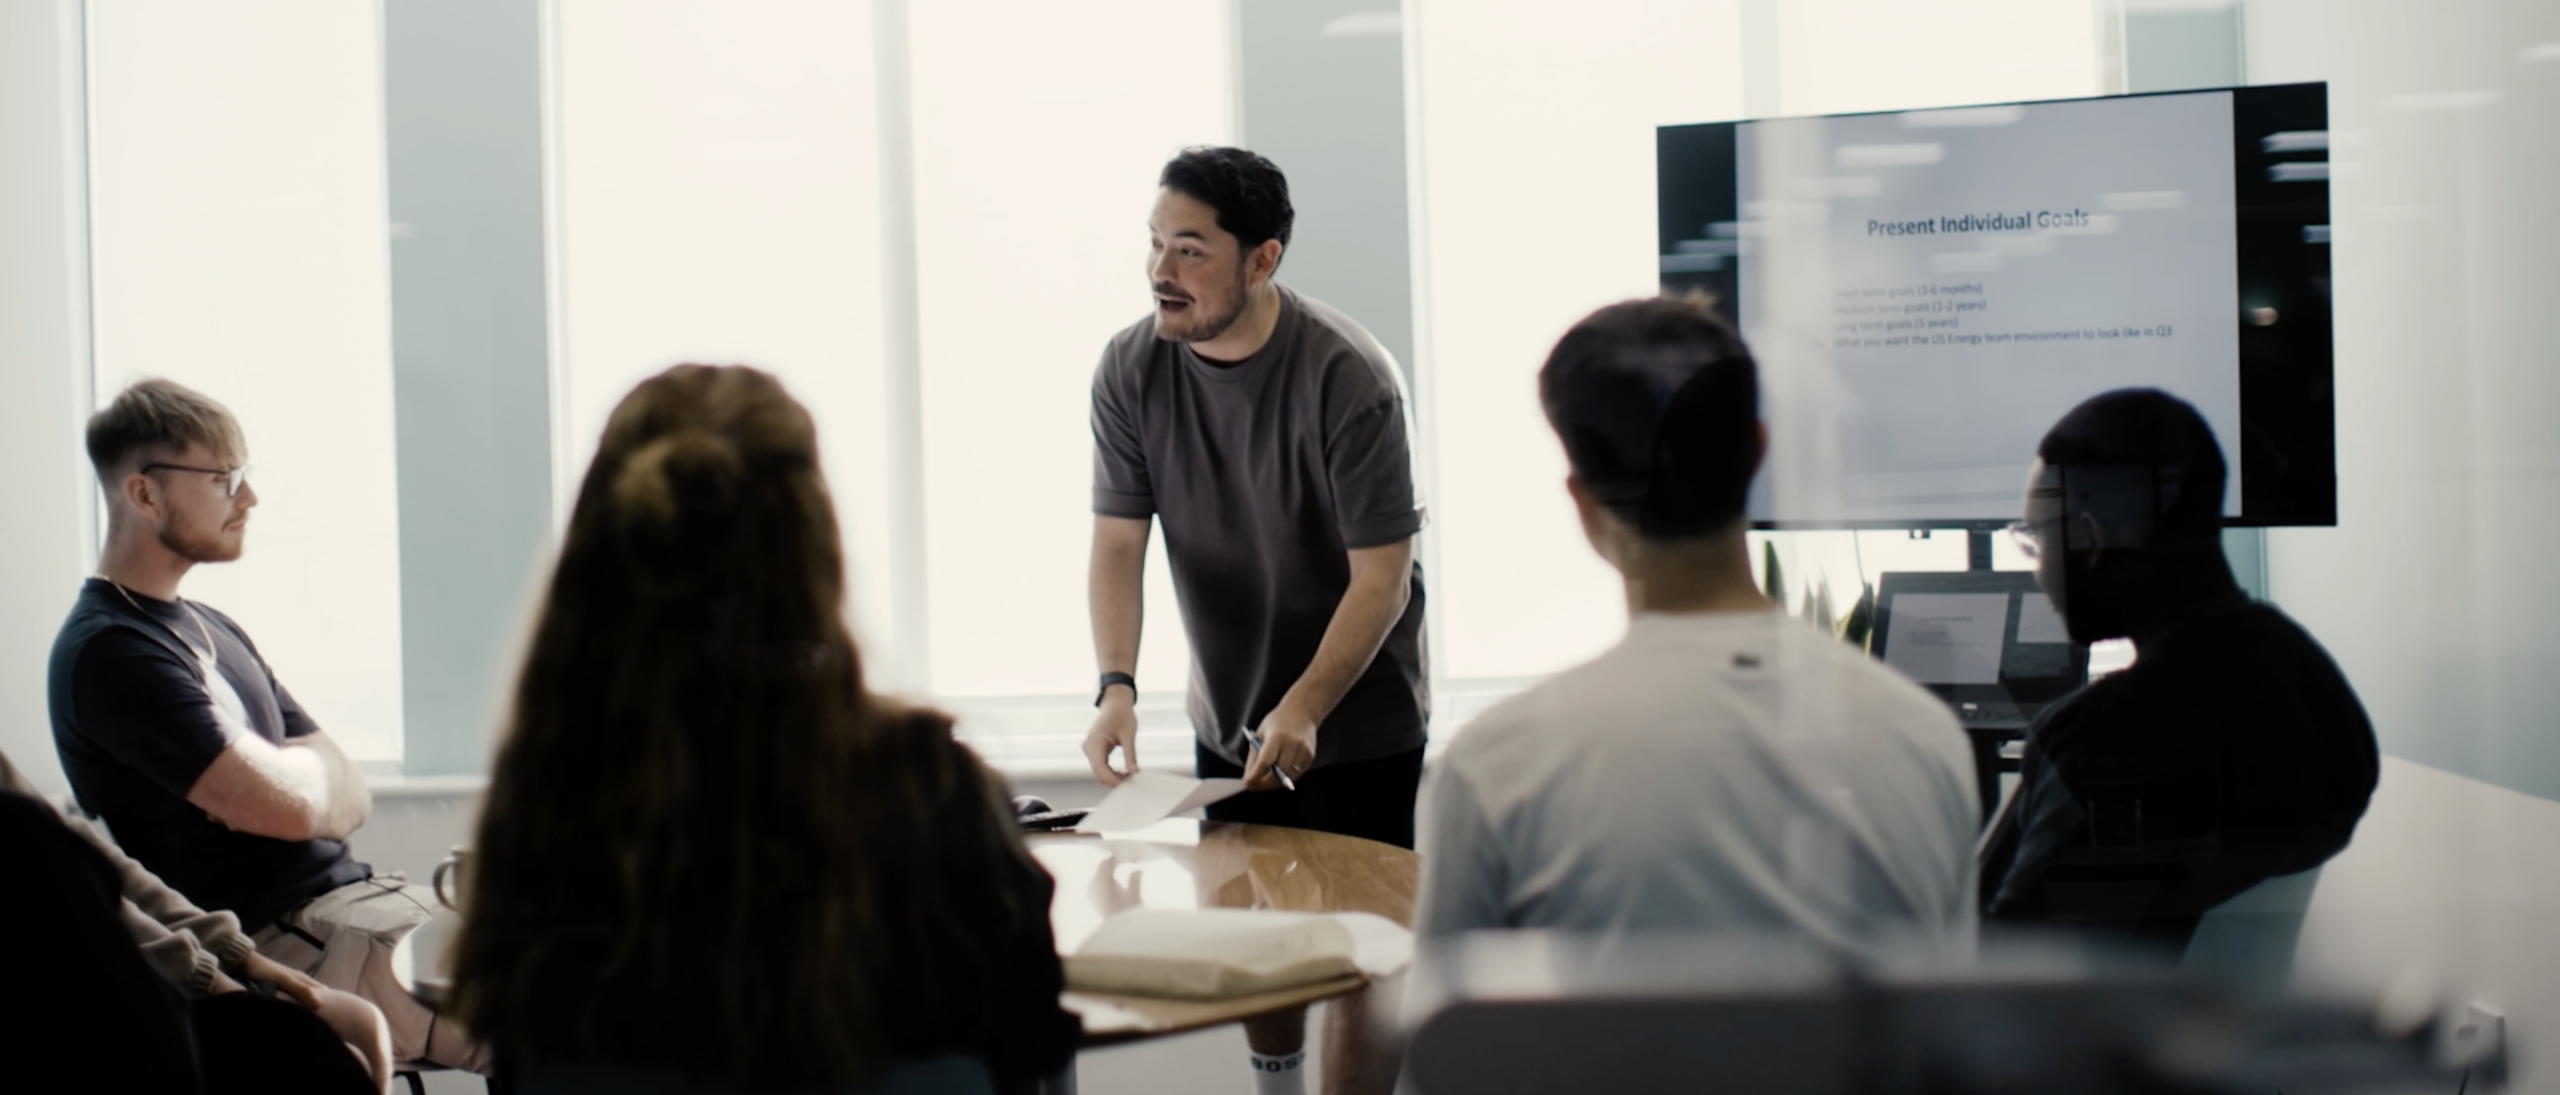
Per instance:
(2231,753)
(174,731)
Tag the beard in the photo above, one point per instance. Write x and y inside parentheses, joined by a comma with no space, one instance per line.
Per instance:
(211,547)
(2091,609)
(1206,326)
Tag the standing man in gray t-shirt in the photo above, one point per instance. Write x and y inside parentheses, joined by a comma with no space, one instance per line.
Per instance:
(1266,433)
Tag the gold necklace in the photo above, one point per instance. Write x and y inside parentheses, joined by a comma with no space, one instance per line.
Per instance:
(207,654)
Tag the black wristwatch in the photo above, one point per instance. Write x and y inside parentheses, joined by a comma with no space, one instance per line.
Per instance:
(1109,679)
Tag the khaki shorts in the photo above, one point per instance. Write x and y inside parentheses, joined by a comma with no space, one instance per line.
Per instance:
(331,936)
(345,939)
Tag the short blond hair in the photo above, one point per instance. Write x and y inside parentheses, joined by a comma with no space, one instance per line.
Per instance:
(155,417)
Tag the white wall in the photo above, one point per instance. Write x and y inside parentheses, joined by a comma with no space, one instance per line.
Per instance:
(2448,888)
(239,242)
(44,361)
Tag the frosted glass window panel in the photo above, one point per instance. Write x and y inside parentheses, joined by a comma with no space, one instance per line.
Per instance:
(1537,201)
(1840,56)
(718,202)
(1848,560)
(1039,130)
(238,236)
(2435,591)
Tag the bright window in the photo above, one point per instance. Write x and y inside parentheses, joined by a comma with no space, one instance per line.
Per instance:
(716,193)
(1039,130)
(717,201)
(1536,199)
(238,247)
(1537,206)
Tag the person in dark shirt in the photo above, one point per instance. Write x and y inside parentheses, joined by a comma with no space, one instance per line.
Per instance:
(2231,752)
(710,858)
(174,731)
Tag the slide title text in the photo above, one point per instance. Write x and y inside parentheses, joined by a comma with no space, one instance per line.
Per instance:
(1981,222)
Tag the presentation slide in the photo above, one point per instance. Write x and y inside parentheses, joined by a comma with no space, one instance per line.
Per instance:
(1929,291)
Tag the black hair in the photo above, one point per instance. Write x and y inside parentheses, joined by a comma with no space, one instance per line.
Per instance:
(2153,450)
(1658,405)
(1248,191)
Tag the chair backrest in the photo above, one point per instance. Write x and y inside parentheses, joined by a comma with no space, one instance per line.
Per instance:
(2247,943)
(948,1075)
(1769,1046)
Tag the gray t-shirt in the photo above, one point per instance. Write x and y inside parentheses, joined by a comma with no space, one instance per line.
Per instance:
(1263,475)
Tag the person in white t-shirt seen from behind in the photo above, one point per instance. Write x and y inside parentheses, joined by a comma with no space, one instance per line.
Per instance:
(1724,767)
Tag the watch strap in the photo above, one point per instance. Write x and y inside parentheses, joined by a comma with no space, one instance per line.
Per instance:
(1109,679)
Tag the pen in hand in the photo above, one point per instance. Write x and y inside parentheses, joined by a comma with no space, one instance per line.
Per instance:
(1255,740)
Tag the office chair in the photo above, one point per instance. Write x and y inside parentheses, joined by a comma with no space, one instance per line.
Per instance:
(2247,943)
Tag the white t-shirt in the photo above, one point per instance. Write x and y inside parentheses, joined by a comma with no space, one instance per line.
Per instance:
(1716,771)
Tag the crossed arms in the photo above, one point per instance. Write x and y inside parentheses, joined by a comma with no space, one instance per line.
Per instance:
(305,789)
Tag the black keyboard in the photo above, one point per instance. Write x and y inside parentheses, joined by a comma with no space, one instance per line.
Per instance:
(1992,715)
(1052,820)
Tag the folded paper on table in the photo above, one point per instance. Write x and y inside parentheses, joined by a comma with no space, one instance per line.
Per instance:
(1101,1016)
(1147,797)
(1379,946)
(1214,954)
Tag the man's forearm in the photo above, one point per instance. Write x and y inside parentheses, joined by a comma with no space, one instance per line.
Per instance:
(349,803)
(1369,610)
(1115,594)
(1118,615)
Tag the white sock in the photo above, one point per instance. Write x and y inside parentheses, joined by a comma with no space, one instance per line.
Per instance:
(1283,1075)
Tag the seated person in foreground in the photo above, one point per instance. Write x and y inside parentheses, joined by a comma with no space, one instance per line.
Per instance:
(709,857)
(1724,767)
(2231,752)
(173,729)
(135,993)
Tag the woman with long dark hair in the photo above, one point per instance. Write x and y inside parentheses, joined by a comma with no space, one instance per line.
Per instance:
(709,857)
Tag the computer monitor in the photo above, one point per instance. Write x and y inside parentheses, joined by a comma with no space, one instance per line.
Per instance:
(1986,641)
(1928,291)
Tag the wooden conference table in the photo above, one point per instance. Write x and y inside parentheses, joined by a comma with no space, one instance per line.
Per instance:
(1187,864)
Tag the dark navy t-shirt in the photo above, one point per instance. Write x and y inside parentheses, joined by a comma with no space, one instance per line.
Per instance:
(136,720)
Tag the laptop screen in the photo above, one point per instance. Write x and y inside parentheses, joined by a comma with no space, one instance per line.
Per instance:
(1986,641)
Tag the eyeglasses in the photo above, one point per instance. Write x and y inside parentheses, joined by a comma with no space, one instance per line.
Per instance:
(2024,532)
(232,478)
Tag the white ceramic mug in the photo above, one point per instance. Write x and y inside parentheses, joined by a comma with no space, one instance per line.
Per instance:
(457,867)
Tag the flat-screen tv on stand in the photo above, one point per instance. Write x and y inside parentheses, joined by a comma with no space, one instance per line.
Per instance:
(1928,291)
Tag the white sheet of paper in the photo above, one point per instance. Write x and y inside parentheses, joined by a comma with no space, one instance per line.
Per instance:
(2038,622)
(1151,796)
(1947,638)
